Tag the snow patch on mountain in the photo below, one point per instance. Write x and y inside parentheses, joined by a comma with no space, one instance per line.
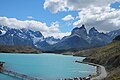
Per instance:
(2,32)
(52,40)
(36,39)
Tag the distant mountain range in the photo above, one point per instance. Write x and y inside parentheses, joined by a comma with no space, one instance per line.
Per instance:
(78,40)
(11,36)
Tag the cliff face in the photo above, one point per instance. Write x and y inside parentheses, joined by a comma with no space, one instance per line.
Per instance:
(17,49)
(108,56)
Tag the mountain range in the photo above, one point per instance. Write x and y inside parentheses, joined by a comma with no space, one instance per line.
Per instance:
(78,40)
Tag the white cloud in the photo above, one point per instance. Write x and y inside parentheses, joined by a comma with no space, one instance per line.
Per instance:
(55,5)
(68,18)
(54,27)
(30,17)
(29,24)
(104,19)
(92,13)
(79,4)
(53,30)
(57,35)
(64,5)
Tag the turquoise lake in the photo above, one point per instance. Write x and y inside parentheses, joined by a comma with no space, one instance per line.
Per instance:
(45,66)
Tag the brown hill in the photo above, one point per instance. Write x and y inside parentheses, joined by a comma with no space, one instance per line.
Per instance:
(108,56)
(17,49)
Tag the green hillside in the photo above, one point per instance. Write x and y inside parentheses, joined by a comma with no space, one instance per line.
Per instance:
(108,56)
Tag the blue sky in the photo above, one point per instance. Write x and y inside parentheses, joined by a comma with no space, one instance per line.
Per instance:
(21,9)
(116,5)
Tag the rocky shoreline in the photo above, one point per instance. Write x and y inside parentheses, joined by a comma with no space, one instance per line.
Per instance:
(101,73)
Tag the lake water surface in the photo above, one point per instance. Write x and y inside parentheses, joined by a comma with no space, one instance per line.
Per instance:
(45,66)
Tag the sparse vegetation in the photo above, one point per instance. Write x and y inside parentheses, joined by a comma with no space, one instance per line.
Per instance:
(108,56)
(17,49)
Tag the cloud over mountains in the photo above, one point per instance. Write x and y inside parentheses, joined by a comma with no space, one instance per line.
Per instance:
(92,13)
(105,19)
(51,30)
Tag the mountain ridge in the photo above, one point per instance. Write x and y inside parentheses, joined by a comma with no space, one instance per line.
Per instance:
(78,40)
(87,40)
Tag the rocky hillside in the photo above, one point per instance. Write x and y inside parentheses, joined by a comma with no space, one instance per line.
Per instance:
(79,39)
(17,49)
(20,37)
(108,56)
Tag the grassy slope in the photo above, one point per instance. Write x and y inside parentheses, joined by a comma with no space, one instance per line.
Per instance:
(109,56)
(17,49)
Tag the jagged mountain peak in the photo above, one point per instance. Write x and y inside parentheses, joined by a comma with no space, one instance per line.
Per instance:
(93,28)
(36,33)
(78,39)
(82,27)
(93,31)
(79,28)
(82,32)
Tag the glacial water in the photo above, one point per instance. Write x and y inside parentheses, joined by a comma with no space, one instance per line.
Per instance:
(45,66)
